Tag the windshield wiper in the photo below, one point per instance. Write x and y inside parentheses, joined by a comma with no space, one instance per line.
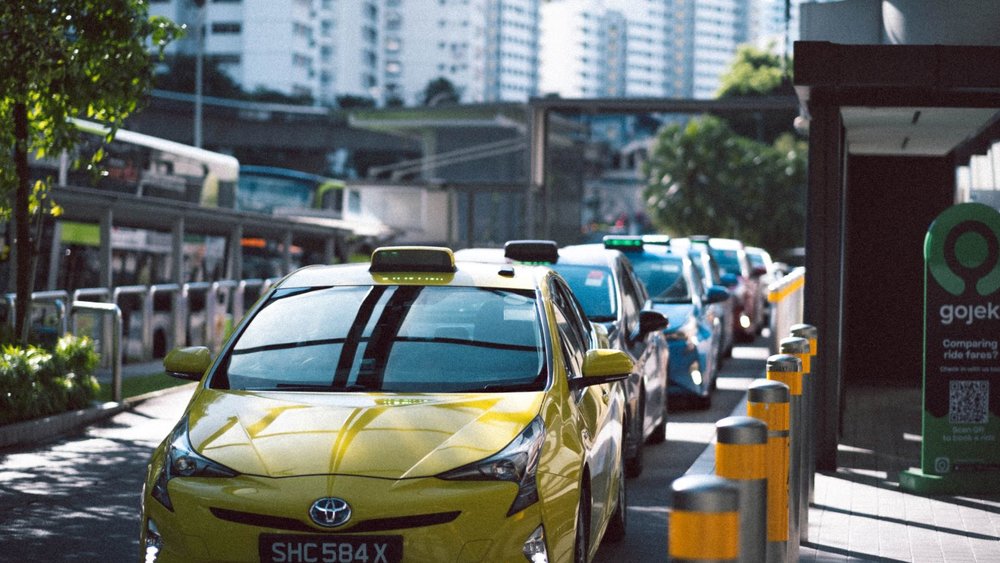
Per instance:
(312,387)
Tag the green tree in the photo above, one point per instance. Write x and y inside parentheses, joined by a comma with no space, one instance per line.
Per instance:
(179,76)
(439,92)
(742,177)
(702,178)
(755,73)
(61,59)
(348,102)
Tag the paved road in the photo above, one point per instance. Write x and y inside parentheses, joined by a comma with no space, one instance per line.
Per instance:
(689,432)
(77,499)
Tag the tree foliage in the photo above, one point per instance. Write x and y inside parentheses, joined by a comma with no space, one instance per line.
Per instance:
(702,178)
(439,92)
(61,59)
(744,177)
(755,73)
(178,75)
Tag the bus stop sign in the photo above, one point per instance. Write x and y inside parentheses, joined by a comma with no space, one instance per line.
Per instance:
(960,450)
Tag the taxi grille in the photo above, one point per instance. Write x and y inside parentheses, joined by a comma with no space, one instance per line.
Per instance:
(375,525)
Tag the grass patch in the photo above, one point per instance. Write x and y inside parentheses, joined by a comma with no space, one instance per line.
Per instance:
(140,385)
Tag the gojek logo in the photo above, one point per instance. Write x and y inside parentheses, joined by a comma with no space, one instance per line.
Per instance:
(962,250)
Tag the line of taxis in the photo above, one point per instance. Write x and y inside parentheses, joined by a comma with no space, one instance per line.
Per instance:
(427,406)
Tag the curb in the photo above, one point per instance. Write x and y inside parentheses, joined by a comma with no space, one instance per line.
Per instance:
(40,430)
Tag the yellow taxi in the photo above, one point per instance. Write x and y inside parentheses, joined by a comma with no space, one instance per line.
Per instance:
(410,409)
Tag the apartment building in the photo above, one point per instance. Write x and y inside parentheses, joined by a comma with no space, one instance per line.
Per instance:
(379,49)
(490,50)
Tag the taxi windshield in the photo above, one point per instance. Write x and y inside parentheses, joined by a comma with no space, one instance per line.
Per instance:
(729,261)
(663,277)
(389,338)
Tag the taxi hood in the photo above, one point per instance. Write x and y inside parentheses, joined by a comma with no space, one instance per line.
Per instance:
(391,436)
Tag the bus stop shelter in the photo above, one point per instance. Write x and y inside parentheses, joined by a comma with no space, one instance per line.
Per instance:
(891,127)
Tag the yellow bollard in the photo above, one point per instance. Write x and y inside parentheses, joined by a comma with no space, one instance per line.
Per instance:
(810,333)
(741,456)
(768,401)
(787,369)
(704,521)
(799,347)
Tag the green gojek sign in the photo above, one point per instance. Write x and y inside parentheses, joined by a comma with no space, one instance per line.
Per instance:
(961,415)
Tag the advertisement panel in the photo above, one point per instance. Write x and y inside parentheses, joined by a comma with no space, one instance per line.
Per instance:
(961,411)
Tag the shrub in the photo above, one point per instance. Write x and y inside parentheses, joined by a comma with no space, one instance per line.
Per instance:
(35,382)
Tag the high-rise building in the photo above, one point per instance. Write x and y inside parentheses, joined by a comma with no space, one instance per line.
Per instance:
(715,28)
(349,48)
(604,48)
(379,49)
(490,50)
(487,49)
(261,44)
(582,49)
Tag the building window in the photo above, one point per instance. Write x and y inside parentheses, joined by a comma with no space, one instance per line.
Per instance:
(223,59)
(226,28)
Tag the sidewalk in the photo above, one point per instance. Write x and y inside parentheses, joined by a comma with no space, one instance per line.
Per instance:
(860,513)
(50,427)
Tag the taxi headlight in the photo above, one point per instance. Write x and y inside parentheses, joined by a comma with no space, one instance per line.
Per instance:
(517,463)
(182,460)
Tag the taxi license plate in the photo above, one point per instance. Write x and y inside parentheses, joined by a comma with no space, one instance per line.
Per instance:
(291,548)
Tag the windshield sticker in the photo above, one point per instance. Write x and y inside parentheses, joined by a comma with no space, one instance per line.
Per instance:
(595,278)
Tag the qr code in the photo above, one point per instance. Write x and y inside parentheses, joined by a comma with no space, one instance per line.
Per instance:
(968,402)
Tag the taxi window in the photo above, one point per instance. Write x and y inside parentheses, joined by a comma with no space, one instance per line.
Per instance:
(573,346)
(594,288)
(571,319)
(390,338)
(633,297)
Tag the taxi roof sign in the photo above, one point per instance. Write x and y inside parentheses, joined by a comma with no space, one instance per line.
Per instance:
(656,239)
(532,251)
(623,243)
(412,259)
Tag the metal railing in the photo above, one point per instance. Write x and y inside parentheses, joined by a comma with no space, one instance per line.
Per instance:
(787,297)
(163,323)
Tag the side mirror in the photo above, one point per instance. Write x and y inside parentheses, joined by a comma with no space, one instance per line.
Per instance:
(650,321)
(730,280)
(603,366)
(758,271)
(717,294)
(188,363)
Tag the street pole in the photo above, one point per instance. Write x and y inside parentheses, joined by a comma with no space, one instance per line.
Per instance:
(199,38)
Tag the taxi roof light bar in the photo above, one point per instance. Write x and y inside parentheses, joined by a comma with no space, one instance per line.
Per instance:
(532,251)
(622,242)
(412,259)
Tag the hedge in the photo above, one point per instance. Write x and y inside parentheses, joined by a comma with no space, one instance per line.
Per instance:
(37,382)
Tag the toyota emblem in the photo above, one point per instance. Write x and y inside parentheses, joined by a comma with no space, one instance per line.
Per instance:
(330,512)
